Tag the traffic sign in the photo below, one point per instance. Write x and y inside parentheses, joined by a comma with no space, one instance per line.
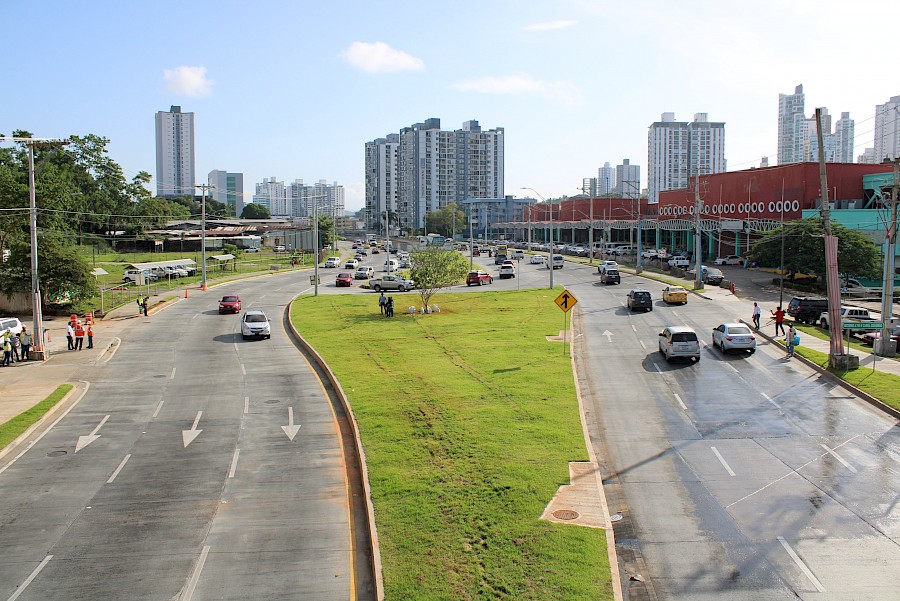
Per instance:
(565,301)
(862,325)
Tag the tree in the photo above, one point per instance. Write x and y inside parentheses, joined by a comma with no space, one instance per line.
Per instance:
(435,268)
(326,227)
(65,277)
(446,221)
(255,211)
(804,249)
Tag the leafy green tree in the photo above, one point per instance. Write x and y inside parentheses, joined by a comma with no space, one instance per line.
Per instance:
(446,221)
(65,277)
(804,249)
(435,268)
(326,231)
(255,211)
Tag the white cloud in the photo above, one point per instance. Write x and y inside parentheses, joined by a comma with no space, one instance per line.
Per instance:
(549,25)
(378,57)
(561,91)
(190,81)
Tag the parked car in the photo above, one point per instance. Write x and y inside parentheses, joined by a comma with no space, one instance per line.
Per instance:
(251,249)
(478,278)
(639,299)
(711,275)
(230,303)
(729,260)
(132,275)
(333,262)
(536,260)
(625,250)
(807,309)
(364,273)
(280,249)
(849,314)
(679,341)
(344,278)
(679,262)
(867,338)
(611,276)
(255,324)
(650,253)
(189,268)
(507,270)
(734,337)
(675,294)
(11,325)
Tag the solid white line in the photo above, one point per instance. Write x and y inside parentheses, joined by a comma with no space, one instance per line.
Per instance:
(675,313)
(119,469)
(195,316)
(172,377)
(643,346)
(234,460)
(767,397)
(243,369)
(28,580)
(680,402)
(801,565)
(722,461)
(195,577)
(657,368)
(839,458)
(246,404)
(158,407)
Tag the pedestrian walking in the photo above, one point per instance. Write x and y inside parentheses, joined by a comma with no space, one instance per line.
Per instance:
(16,345)
(70,335)
(757,315)
(79,335)
(790,341)
(140,304)
(90,334)
(145,303)
(382,303)
(7,351)
(779,319)
(26,345)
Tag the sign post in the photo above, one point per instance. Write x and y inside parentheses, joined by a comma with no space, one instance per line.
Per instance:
(565,301)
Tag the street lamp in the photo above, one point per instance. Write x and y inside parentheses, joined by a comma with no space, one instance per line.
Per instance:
(639,263)
(552,250)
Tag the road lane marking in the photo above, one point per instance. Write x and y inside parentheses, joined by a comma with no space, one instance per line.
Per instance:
(28,580)
(84,441)
(158,407)
(234,460)
(733,368)
(722,461)
(643,346)
(195,576)
(119,469)
(680,402)
(243,369)
(839,458)
(657,368)
(172,377)
(801,565)
(634,327)
(246,404)
(188,436)
(195,316)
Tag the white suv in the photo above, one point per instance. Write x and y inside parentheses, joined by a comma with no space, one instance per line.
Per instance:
(679,341)
(333,262)
(255,324)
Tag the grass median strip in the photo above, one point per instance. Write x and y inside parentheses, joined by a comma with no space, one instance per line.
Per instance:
(883,386)
(14,428)
(469,419)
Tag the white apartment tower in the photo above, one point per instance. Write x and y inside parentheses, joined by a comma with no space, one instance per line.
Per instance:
(303,198)
(174,153)
(382,189)
(628,179)
(679,150)
(791,116)
(271,194)
(887,130)
(606,179)
(227,188)
(843,139)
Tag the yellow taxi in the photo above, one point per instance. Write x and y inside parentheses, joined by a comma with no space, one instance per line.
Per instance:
(674,294)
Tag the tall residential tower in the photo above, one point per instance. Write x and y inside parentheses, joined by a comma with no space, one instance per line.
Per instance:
(679,150)
(174,153)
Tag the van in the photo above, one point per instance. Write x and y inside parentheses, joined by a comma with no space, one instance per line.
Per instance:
(516,254)
(679,341)
(556,262)
(391,265)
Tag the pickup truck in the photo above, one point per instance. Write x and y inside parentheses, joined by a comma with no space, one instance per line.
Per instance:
(849,314)
(391,282)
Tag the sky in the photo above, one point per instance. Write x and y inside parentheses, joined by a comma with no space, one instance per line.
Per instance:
(294,89)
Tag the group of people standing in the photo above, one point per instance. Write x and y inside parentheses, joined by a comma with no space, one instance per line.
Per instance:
(16,347)
(386,304)
(790,336)
(75,333)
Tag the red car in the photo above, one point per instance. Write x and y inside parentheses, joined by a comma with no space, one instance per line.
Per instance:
(230,304)
(344,279)
(375,250)
(869,338)
(478,278)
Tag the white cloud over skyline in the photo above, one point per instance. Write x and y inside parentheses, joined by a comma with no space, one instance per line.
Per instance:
(189,81)
(563,92)
(549,25)
(378,57)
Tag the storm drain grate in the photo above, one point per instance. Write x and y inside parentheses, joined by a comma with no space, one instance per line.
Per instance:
(565,514)
(57,453)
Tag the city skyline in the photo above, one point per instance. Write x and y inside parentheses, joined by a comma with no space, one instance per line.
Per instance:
(382,68)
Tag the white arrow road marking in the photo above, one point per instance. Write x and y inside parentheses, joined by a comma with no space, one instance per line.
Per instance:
(28,580)
(608,335)
(84,441)
(188,436)
(803,567)
(290,429)
(722,461)
(119,469)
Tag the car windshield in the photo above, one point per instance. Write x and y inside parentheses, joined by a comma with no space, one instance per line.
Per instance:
(229,299)
(642,295)
(256,318)
(739,330)
(684,337)
(343,275)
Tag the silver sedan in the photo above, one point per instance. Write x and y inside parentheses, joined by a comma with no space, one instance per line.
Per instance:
(734,337)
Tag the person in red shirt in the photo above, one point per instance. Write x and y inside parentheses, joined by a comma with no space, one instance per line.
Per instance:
(779,319)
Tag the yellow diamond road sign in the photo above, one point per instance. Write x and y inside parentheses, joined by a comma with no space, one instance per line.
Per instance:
(565,301)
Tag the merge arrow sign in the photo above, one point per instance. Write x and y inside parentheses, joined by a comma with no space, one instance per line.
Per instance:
(290,429)
(188,436)
(565,301)
(84,441)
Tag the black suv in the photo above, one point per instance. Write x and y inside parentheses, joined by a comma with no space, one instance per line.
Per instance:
(807,309)
(611,276)
(640,299)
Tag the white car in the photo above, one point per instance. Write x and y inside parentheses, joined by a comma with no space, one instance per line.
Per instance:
(680,262)
(679,341)
(507,271)
(604,266)
(734,337)
(255,324)
(537,260)
(650,253)
(351,264)
(364,273)
(729,260)
(333,262)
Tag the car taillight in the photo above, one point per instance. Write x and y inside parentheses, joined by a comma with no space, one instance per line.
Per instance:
(753,338)
(729,338)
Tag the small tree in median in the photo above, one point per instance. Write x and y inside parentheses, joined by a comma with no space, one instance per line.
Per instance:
(435,268)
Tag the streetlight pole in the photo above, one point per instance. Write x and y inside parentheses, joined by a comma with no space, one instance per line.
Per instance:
(552,250)
(203,187)
(885,345)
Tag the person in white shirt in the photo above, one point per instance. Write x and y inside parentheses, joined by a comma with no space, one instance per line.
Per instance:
(757,314)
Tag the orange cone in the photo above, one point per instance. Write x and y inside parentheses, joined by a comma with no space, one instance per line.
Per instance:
(185,293)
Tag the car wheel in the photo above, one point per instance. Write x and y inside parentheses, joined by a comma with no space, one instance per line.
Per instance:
(401,288)
(650,309)
(243,337)
(468,284)
(377,288)
(823,324)
(491,281)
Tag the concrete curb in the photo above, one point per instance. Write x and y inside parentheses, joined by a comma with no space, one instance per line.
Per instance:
(895,413)
(370,510)
(63,402)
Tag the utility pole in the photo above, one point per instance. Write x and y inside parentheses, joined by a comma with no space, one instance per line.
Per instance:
(698,246)
(884,346)
(552,251)
(203,188)
(836,359)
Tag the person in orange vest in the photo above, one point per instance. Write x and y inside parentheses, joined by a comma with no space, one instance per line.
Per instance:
(79,335)
(90,334)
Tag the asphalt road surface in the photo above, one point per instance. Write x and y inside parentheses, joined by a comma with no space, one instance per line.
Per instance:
(196,466)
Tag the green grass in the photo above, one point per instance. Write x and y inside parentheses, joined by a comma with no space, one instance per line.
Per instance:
(883,386)
(14,428)
(822,334)
(468,418)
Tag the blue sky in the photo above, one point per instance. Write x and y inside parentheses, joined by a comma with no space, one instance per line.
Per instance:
(295,89)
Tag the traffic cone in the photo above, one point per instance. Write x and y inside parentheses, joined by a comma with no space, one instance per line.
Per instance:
(185,293)
(203,287)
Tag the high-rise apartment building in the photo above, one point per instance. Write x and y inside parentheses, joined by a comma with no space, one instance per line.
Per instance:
(303,198)
(887,130)
(867,157)
(628,179)
(174,153)
(679,150)
(272,194)
(791,116)
(606,179)
(843,139)
(434,167)
(227,188)
(590,187)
